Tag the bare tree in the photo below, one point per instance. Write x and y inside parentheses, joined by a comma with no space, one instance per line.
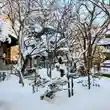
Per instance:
(59,18)
(18,12)
(23,13)
(89,30)
(82,17)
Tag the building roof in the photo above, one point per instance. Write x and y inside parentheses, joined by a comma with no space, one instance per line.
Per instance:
(106,62)
(7,33)
(14,41)
(104,41)
(5,25)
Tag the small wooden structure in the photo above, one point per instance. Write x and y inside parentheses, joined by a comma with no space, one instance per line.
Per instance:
(5,32)
(5,50)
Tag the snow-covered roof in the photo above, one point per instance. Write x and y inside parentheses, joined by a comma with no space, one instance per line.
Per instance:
(108,32)
(104,41)
(106,61)
(6,29)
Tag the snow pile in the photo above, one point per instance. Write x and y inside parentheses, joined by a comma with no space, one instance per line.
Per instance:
(38,28)
(7,106)
(22,97)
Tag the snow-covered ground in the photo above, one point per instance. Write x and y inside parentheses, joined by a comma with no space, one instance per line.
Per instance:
(14,96)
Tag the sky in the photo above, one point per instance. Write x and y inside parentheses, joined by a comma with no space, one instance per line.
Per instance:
(107,1)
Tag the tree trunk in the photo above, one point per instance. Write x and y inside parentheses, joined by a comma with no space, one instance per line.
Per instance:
(50,69)
(69,92)
(20,71)
(84,54)
(21,78)
(30,62)
(85,59)
(72,92)
(89,82)
(25,64)
(89,58)
(47,68)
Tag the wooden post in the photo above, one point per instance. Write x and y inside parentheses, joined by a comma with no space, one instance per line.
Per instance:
(72,93)
(69,93)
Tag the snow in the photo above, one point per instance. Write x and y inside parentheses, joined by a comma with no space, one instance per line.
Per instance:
(105,67)
(108,32)
(55,73)
(105,70)
(64,49)
(104,41)
(4,32)
(16,97)
(6,29)
(38,28)
(106,61)
(33,46)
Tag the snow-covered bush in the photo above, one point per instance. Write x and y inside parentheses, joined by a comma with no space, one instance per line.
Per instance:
(53,87)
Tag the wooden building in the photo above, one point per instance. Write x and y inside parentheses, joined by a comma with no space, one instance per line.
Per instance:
(6,50)
(6,31)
